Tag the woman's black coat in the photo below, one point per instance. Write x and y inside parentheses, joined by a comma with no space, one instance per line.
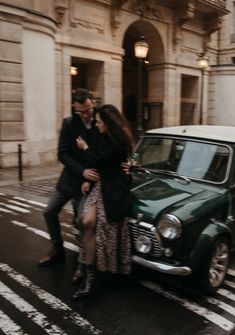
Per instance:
(107,157)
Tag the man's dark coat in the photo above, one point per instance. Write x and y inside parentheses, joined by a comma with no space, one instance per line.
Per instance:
(71,156)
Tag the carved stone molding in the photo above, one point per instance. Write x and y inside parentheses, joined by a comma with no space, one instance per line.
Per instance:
(190,50)
(177,35)
(210,27)
(185,12)
(213,24)
(115,12)
(76,20)
(146,8)
(206,43)
(61,7)
(90,26)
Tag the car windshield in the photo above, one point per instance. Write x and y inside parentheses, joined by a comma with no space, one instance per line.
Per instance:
(188,158)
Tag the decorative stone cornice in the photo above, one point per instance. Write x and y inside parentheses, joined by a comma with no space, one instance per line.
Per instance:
(213,24)
(186,11)
(61,7)
(29,19)
(146,8)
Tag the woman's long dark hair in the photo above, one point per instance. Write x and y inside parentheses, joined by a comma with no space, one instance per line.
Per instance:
(118,128)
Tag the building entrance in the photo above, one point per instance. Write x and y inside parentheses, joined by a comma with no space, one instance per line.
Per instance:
(189,94)
(87,74)
(150,99)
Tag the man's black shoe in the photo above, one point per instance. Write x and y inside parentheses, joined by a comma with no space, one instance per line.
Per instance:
(54,256)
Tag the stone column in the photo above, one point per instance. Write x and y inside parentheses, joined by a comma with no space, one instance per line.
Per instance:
(171,108)
(221,96)
(113,81)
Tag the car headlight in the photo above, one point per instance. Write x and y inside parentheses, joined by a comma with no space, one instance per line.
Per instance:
(169,226)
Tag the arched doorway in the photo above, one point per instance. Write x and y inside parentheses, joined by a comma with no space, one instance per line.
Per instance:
(152,76)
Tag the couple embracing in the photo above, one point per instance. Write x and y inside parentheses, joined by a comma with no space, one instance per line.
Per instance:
(94,147)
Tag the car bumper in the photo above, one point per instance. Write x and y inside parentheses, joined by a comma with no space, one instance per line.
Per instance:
(169,269)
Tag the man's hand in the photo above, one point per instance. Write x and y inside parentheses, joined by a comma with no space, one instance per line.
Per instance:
(126,166)
(91,174)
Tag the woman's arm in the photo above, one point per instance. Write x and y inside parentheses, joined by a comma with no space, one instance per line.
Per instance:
(109,154)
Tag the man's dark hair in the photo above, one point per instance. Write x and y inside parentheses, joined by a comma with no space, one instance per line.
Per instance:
(82,95)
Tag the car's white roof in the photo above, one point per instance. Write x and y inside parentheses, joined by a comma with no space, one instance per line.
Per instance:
(220,133)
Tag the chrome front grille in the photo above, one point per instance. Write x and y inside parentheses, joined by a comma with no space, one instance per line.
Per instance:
(140,229)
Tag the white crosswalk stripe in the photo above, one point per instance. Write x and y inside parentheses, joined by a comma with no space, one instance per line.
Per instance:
(31,312)
(42,233)
(19,203)
(31,201)
(215,318)
(231,272)
(227,308)
(46,297)
(229,283)
(16,208)
(6,210)
(8,326)
(226,294)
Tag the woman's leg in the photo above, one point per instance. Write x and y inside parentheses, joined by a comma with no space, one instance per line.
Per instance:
(89,222)
(89,248)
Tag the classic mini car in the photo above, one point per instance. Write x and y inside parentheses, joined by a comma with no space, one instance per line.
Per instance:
(183,216)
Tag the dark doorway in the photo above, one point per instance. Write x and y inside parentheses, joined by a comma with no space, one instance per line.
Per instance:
(152,74)
(189,93)
(90,76)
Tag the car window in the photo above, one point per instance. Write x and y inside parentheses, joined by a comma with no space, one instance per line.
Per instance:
(195,159)
(193,151)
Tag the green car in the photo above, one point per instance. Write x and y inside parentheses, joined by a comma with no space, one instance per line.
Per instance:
(182,220)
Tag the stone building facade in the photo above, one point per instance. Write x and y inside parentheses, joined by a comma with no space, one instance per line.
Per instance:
(41,40)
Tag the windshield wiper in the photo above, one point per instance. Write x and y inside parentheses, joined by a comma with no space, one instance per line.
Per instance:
(173,173)
(141,168)
(160,171)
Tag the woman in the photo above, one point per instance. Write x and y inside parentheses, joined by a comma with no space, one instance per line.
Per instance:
(105,235)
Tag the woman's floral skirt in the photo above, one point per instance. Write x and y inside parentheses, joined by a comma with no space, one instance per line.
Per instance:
(113,247)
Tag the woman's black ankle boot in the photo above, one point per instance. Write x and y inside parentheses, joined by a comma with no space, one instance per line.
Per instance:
(79,273)
(87,285)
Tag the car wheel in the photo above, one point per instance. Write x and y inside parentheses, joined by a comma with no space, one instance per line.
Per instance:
(214,270)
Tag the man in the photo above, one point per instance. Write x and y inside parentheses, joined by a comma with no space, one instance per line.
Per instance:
(82,124)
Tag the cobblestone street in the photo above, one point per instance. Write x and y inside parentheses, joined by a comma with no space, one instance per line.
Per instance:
(38,182)
(43,187)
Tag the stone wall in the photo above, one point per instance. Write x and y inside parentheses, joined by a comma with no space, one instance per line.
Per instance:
(27,87)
